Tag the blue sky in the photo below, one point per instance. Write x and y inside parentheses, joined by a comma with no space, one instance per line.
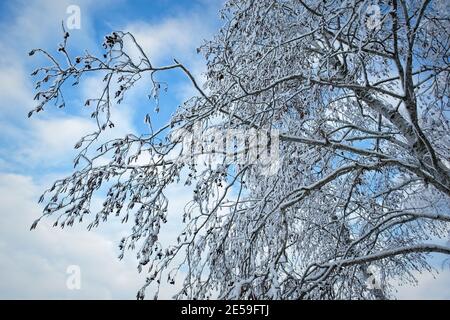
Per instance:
(34,152)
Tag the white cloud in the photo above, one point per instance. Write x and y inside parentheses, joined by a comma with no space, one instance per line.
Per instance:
(33,23)
(48,139)
(34,263)
(178,37)
(26,29)
(429,287)
(36,24)
(15,93)
(54,139)
(45,137)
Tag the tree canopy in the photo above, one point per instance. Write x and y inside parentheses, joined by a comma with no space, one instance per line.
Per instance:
(358,96)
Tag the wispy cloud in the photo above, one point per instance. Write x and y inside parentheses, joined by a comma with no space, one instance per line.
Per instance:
(34,263)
